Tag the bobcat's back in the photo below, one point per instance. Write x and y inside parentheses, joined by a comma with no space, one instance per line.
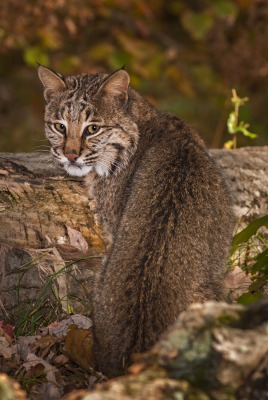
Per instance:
(170,246)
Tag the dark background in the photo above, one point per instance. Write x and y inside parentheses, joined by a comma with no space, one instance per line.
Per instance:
(184,56)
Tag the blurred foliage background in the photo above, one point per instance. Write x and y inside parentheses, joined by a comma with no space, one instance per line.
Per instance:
(184,56)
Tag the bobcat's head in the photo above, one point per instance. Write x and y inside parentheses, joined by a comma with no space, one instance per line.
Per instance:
(87,121)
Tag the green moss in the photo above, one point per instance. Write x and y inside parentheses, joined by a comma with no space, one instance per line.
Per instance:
(227,319)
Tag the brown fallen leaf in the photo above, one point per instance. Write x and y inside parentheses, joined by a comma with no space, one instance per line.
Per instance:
(76,239)
(37,367)
(59,360)
(43,345)
(36,370)
(24,344)
(78,345)
(7,331)
(5,349)
(237,282)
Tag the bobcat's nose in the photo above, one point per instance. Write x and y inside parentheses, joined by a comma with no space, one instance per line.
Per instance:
(72,157)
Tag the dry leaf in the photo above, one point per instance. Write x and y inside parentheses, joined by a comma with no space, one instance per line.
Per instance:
(61,328)
(24,344)
(35,366)
(5,349)
(76,239)
(55,328)
(78,345)
(44,345)
(237,282)
(81,321)
(59,360)
(36,370)
(7,331)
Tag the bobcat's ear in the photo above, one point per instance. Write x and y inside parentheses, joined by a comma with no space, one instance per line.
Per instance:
(53,83)
(116,87)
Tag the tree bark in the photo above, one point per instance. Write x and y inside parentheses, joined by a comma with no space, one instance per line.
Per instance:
(47,220)
(38,203)
(246,172)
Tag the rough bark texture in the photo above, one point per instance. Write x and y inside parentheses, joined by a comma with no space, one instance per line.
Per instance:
(246,171)
(46,220)
(38,203)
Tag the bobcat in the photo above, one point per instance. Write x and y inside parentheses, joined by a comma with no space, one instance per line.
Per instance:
(161,199)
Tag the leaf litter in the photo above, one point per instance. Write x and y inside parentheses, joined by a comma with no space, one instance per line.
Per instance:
(52,363)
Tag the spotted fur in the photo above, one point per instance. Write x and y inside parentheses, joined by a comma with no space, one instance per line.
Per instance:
(76,107)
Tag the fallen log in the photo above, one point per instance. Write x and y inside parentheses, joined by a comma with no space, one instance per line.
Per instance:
(47,220)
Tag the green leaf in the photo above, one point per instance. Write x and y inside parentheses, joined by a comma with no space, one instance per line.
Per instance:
(231,123)
(248,232)
(262,254)
(248,298)
(259,265)
(245,132)
(257,284)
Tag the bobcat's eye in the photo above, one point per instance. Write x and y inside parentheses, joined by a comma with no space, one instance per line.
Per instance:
(91,129)
(60,127)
